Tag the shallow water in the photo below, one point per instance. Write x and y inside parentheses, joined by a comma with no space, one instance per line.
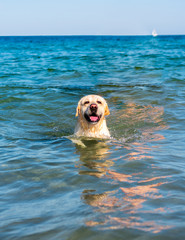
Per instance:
(131,187)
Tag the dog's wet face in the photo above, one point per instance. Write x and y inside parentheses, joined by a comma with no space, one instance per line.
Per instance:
(93,112)
(92,108)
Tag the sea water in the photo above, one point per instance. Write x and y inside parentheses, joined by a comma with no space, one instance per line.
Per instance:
(131,187)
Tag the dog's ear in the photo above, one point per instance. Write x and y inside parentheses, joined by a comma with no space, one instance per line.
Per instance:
(107,112)
(77,110)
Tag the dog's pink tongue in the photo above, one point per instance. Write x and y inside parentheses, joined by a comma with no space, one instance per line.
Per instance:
(93,118)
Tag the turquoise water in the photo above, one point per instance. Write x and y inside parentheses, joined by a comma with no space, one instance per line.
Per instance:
(131,187)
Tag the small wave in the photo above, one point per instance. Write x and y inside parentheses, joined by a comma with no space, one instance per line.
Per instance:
(52,70)
(176,80)
(138,68)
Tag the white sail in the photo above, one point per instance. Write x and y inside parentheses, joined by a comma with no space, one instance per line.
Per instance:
(154,33)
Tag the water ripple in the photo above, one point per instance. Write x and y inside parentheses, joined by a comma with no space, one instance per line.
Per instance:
(132,185)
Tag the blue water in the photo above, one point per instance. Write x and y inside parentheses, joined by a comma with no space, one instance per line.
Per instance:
(132,187)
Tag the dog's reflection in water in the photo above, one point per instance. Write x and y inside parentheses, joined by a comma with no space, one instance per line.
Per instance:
(94,157)
(95,162)
(115,196)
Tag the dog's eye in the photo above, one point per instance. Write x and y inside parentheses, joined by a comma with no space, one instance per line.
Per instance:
(86,102)
(99,102)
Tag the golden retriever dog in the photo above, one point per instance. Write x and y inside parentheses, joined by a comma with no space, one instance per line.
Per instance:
(91,112)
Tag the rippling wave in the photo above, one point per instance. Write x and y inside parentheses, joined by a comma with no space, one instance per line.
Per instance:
(131,186)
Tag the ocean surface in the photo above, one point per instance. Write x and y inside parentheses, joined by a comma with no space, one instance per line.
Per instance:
(129,187)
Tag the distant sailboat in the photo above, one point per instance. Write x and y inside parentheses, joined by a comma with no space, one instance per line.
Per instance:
(154,33)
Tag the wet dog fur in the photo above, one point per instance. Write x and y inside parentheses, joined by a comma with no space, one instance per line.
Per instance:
(91,112)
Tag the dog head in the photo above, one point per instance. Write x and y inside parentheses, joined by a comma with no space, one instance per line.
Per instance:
(92,109)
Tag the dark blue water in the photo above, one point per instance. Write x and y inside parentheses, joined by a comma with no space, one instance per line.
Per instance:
(132,187)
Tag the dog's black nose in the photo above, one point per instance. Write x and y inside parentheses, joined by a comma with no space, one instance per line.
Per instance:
(93,107)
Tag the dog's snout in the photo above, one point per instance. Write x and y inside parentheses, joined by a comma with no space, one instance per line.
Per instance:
(93,107)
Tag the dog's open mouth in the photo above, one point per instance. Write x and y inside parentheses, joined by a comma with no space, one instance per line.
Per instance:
(93,118)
